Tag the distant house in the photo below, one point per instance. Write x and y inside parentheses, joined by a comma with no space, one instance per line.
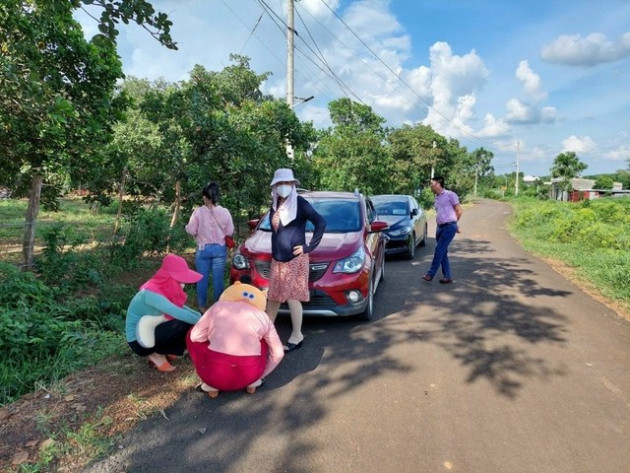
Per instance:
(583,189)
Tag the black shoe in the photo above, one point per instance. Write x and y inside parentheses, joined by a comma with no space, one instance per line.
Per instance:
(445,280)
(289,347)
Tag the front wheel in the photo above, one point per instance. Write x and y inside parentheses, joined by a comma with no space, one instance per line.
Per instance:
(411,250)
(368,314)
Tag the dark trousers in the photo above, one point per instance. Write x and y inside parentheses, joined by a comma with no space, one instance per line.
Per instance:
(443,237)
(170,339)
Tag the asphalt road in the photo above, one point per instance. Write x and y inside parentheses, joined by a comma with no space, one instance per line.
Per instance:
(510,369)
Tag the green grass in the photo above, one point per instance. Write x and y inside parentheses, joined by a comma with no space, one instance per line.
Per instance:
(592,237)
(83,224)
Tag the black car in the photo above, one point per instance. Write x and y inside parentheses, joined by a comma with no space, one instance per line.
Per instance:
(407,223)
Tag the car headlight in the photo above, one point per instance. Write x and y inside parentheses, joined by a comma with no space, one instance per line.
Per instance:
(352,264)
(400,231)
(239,261)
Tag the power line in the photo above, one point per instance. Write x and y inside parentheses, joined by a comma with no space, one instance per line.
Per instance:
(448,120)
(267,47)
(331,74)
(252,32)
(338,40)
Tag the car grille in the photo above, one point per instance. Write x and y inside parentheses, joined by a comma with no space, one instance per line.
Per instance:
(316,271)
(318,299)
(321,300)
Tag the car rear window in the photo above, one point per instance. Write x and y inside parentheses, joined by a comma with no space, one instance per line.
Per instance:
(391,208)
(341,216)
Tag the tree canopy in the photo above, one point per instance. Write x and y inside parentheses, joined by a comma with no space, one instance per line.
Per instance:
(57,106)
(567,166)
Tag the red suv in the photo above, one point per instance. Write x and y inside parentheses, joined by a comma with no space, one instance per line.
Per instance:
(346,267)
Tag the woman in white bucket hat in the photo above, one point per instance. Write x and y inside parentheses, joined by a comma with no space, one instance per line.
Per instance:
(288,279)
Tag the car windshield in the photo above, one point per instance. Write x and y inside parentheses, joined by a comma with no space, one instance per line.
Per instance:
(341,216)
(391,207)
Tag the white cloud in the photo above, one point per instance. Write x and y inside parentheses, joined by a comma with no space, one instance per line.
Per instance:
(519,112)
(371,19)
(493,127)
(318,115)
(528,112)
(577,144)
(317,7)
(620,154)
(454,81)
(548,114)
(574,50)
(530,81)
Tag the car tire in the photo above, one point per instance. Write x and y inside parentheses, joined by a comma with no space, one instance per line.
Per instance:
(411,250)
(382,270)
(368,314)
(423,242)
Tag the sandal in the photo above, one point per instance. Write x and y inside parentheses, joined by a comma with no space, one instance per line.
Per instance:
(251,389)
(427,278)
(445,280)
(212,393)
(289,347)
(165,367)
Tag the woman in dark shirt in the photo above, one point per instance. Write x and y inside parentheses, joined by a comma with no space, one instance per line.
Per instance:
(288,279)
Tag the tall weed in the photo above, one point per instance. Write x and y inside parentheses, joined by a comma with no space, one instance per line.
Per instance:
(593,236)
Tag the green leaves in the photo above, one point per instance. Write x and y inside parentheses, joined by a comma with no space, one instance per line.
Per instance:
(352,155)
(567,166)
(139,11)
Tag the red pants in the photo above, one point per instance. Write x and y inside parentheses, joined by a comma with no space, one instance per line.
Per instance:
(226,372)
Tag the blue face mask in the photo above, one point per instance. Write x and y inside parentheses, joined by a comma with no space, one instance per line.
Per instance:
(283,190)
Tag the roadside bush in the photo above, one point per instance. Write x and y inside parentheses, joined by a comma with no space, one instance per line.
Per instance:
(62,264)
(45,335)
(593,236)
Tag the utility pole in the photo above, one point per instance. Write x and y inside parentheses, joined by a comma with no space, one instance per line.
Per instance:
(290,48)
(516,185)
(433,161)
(476,176)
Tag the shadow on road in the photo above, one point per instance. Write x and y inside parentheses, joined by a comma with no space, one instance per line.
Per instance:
(487,319)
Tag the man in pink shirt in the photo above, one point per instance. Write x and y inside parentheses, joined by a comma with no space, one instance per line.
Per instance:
(448,212)
(235,344)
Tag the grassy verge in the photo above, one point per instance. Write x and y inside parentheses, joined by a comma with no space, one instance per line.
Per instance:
(591,237)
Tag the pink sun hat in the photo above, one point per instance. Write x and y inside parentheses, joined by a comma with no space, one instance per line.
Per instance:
(177,268)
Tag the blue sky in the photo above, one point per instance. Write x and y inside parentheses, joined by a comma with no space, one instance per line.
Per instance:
(550,76)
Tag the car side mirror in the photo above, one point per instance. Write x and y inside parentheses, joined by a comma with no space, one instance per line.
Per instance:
(378,226)
(414,212)
(252,223)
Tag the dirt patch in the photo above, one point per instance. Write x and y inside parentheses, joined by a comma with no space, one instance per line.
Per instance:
(110,398)
(573,275)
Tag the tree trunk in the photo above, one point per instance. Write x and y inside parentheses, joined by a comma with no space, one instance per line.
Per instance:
(178,198)
(28,245)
